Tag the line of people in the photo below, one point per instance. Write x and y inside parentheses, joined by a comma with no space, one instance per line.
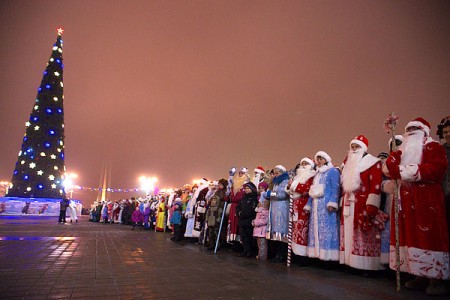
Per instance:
(338,214)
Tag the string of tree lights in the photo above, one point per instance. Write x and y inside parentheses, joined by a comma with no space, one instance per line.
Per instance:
(39,171)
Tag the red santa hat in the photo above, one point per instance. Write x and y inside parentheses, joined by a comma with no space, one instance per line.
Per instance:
(421,123)
(308,160)
(259,169)
(324,155)
(362,141)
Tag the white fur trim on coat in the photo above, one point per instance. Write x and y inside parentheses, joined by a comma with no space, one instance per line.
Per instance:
(410,173)
(332,204)
(374,200)
(367,161)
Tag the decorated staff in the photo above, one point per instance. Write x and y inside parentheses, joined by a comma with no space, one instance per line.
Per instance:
(389,127)
(291,214)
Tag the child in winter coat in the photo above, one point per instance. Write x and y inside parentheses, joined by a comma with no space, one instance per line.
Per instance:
(246,212)
(259,230)
(137,218)
(175,220)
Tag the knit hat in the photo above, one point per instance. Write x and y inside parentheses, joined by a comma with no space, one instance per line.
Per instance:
(264,185)
(421,123)
(324,155)
(251,185)
(308,160)
(281,168)
(260,170)
(362,141)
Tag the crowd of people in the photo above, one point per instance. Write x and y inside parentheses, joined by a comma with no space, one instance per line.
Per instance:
(321,211)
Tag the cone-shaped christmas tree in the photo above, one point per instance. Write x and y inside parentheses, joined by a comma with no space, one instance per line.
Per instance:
(39,171)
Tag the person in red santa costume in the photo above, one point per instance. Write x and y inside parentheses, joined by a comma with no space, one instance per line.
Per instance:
(298,189)
(419,167)
(360,243)
(237,193)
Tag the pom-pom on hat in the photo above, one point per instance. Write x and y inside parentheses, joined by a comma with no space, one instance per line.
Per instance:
(281,168)
(421,123)
(362,141)
(324,155)
(308,160)
(259,169)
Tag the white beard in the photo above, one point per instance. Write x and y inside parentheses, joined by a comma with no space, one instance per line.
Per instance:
(351,179)
(256,179)
(412,147)
(304,173)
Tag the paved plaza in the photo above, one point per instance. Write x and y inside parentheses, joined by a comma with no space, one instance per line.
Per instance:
(41,259)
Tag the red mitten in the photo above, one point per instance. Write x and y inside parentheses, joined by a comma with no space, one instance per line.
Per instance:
(371,210)
(393,164)
(364,221)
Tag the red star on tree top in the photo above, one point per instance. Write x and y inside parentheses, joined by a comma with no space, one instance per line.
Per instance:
(60,31)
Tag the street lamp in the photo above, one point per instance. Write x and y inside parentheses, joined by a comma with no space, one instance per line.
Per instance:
(148,184)
(69,182)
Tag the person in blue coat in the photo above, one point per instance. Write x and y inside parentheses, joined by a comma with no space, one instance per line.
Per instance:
(323,204)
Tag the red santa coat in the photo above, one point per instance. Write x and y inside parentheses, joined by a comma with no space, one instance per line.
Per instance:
(360,248)
(424,249)
(233,219)
(300,219)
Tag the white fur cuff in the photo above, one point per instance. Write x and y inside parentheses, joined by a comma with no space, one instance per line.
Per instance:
(410,172)
(374,200)
(332,204)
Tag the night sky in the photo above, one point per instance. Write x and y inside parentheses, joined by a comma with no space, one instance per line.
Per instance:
(186,89)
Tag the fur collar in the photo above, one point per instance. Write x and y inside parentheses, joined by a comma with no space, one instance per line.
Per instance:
(324,168)
(367,161)
(297,180)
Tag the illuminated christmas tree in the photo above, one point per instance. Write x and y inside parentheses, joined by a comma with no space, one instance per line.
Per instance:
(39,171)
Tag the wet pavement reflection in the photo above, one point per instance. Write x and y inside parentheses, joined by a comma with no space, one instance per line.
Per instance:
(41,259)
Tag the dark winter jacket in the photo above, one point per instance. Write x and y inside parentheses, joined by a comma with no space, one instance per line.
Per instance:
(246,209)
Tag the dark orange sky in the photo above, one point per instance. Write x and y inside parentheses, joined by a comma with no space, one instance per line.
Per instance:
(187,89)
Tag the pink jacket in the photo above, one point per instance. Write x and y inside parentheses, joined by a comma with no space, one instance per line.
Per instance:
(260,222)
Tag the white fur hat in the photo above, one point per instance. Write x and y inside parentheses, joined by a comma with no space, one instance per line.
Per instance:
(281,168)
(324,155)
(308,160)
